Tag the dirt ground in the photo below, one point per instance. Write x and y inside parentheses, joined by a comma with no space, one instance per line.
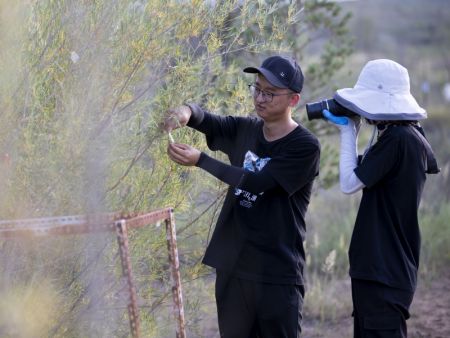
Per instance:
(430,311)
(430,315)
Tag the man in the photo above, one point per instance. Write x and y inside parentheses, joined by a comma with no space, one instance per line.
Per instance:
(257,245)
(385,245)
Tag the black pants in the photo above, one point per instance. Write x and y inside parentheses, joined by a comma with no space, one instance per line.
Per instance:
(379,311)
(248,309)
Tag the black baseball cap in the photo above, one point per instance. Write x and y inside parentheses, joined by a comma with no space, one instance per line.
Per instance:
(281,72)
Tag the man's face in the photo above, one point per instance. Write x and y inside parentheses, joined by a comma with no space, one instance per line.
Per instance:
(271,102)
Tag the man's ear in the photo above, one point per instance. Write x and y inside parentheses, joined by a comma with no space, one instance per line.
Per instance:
(295,99)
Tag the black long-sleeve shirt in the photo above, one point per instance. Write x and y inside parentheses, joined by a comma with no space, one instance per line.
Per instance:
(260,231)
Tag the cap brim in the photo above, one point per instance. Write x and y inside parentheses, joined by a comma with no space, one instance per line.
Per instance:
(267,74)
(380,106)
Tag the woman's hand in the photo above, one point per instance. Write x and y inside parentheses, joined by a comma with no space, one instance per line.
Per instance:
(343,122)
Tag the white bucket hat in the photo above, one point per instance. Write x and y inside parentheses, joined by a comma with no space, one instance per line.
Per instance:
(382,92)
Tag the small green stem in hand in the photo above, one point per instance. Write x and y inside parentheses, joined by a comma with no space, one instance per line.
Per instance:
(171,139)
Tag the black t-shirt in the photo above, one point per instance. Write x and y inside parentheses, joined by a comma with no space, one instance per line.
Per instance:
(385,244)
(259,234)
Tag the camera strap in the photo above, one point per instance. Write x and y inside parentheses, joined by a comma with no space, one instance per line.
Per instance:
(432,166)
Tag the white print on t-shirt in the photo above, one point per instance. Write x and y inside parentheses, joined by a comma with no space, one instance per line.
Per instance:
(251,163)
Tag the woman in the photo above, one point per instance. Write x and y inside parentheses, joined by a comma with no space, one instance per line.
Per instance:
(385,245)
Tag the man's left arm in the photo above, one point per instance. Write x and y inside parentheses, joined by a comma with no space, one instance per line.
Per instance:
(255,182)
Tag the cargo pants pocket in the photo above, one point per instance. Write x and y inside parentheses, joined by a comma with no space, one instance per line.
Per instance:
(382,326)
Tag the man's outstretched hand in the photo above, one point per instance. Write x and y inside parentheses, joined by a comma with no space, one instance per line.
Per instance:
(183,154)
(176,118)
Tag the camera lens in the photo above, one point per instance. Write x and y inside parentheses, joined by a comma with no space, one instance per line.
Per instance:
(314,110)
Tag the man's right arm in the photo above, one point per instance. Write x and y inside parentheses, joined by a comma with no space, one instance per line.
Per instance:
(190,115)
(177,118)
(220,131)
(197,115)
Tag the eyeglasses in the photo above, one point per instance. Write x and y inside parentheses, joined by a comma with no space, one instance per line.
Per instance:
(266,96)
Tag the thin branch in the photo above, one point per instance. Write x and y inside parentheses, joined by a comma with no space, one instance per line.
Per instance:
(107,119)
(130,166)
(216,200)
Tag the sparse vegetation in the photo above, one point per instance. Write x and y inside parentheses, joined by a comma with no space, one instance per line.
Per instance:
(83,86)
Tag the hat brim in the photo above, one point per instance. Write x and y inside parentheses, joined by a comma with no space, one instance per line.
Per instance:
(380,106)
(267,74)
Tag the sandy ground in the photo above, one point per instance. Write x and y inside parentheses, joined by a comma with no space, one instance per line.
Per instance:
(430,315)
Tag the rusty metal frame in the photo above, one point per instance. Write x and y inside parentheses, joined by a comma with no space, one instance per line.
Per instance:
(120,223)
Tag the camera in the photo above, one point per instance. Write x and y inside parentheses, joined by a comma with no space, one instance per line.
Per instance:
(314,110)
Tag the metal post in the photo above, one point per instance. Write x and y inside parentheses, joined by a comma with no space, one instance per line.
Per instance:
(175,275)
(133,312)
(119,222)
